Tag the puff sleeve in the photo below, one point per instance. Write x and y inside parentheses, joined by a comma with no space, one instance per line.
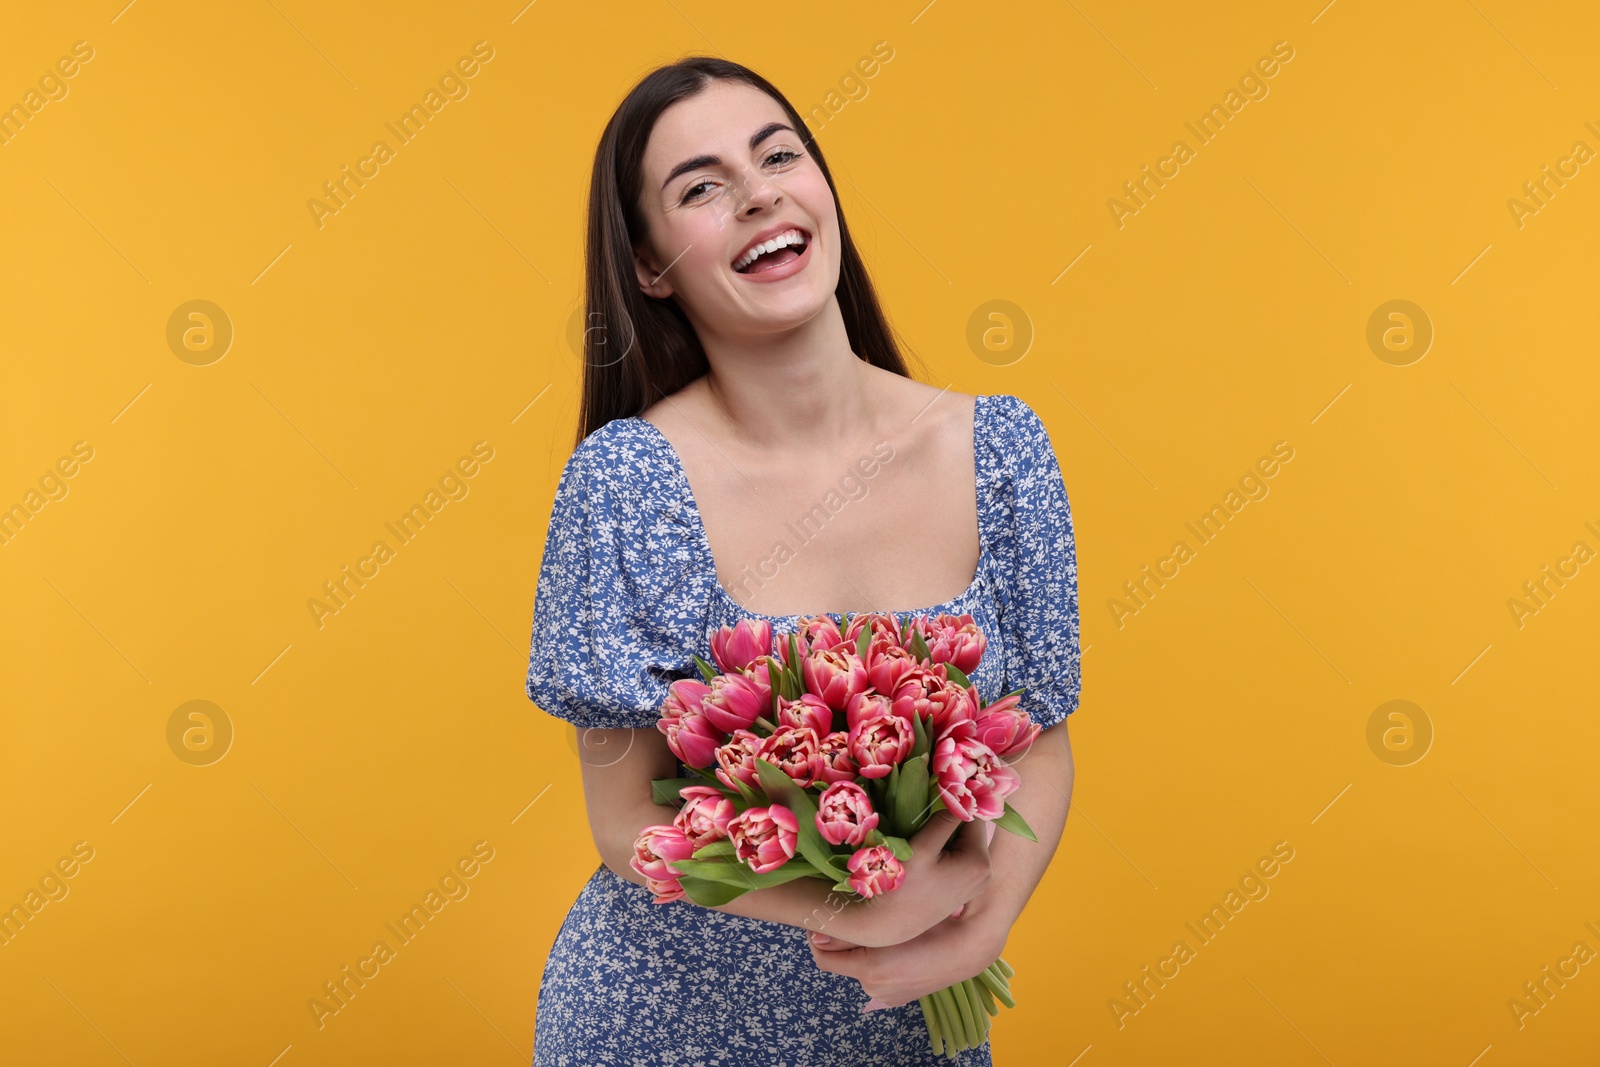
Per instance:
(1038,601)
(613,617)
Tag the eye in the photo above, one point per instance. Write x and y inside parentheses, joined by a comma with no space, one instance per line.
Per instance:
(778,158)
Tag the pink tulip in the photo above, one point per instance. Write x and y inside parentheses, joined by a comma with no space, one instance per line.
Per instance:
(973,781)
(887,664)
(736,647)
(1006,728)
(692,738)
(835,675)
(837,763)
(875,870)
(653,849)
(817,632)
(844,814)
(810,710)
(953,639)
(705,815)
(795,751)
(765,838)
(665,891)
(879,742)
(737,759)
(927,692)
(885,629)
(735,700)
(683,695)
(867,705)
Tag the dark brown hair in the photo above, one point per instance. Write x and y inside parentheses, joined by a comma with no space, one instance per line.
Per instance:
(661,353)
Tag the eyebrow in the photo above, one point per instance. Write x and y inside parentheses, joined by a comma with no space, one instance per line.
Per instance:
(711,161)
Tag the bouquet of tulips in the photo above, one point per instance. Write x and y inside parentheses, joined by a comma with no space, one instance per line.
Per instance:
(819,755)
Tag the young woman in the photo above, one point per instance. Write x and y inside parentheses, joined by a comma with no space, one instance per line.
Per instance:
(751,446)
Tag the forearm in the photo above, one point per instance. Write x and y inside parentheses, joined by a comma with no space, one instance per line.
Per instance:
(1043,800)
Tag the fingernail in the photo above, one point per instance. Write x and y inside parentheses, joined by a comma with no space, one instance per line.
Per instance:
(873,1005)
(821,939)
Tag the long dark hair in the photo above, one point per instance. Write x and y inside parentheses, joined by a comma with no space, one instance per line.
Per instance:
(661,353)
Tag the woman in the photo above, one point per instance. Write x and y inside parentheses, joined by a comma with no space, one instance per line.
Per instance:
(752,447)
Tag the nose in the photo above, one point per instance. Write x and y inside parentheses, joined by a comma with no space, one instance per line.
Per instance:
(756,192)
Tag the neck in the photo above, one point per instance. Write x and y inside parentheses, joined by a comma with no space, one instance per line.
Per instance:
(781,391)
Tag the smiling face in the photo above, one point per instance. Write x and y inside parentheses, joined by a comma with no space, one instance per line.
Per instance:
(723,173)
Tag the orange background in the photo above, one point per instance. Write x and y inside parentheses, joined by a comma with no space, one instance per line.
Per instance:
(363,758)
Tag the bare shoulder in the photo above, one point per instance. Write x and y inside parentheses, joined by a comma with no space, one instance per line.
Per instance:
(935,415)
(672,412)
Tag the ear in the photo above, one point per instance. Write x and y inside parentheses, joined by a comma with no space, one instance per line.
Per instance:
(651,281)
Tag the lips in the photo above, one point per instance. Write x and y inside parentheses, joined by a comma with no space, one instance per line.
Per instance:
(766,235)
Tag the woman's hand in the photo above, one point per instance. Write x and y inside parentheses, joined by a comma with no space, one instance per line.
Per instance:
(936,883)
(951,951)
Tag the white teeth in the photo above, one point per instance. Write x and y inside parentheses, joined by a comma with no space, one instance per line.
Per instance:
(783,240)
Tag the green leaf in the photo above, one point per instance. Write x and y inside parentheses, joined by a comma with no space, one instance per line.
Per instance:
(773,673)
(910,797)
(899,846)
(1012,820)
(863,639)
(919,647)
(783,790)
(920,730)
(707,893)
(707,671)
(796,673)
(666,790)
(731,872)
(844,886)
(955,675)
(746,794)
(715,850)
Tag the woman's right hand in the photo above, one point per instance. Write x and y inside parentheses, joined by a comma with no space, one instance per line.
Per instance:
(937,882)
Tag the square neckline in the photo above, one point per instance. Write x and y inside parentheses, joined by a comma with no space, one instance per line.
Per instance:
(703,538)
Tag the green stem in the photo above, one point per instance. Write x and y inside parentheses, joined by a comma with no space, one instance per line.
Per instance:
(968,1024)
(951,1019)
(969,990)
(997,986)
(987,997)
(950,1026)
(931,1017)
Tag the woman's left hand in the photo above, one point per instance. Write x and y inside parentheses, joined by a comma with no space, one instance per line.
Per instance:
(951,951)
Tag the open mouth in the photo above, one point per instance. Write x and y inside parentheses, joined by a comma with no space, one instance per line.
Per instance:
(773,253)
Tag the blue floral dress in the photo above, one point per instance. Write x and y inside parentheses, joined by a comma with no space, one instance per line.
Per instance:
(627,592)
